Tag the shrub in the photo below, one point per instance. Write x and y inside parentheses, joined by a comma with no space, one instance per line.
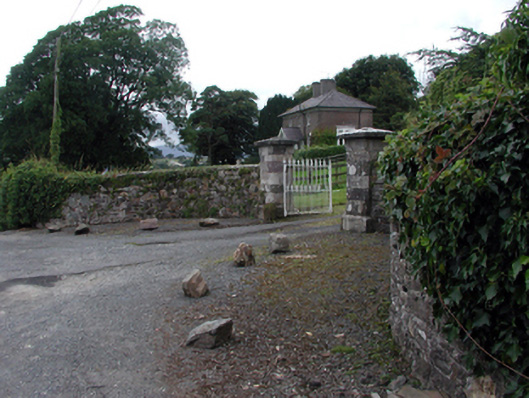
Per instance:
(323,137)
(316,152)
(31,192)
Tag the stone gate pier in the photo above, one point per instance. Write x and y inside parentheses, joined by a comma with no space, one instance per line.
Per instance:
(364,211)
(272,152)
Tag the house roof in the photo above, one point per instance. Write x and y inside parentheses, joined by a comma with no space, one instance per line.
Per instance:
(331,99)
(291,133)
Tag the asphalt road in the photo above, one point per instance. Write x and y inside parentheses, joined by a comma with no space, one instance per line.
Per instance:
(79,314)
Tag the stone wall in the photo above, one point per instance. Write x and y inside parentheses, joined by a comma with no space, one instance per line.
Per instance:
(435,361)
(194,192)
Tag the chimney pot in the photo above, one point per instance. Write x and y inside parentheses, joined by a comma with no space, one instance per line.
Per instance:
(327,85)
(316,89)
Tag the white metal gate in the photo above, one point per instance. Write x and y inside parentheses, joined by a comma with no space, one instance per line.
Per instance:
(307,186)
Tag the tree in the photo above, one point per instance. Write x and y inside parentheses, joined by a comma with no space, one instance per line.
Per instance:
(269,122)
(115,74)
(223,125)
(454,71)
(303,94)
(387,82)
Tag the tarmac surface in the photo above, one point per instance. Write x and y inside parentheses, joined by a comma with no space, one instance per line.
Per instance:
(79,314)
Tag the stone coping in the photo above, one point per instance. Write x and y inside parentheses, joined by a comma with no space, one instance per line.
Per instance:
(366,132)
(275,141)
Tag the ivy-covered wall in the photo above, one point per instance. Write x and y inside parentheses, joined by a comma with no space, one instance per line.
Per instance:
(200,192)
(456,185)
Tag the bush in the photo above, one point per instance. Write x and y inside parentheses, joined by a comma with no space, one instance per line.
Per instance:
(457,186)
(316,152)
(30,193)
(323,137)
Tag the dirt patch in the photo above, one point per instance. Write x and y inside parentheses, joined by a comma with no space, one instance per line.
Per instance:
(311,323)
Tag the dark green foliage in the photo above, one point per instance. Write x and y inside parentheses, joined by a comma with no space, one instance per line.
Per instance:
(269,122)
(303,94)
(387,82)
(455,71)
(223,125)
(31,192)
(323,137)
(318,152)
(457,185)
(115,75)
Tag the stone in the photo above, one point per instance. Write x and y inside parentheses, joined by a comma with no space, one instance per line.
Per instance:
(53,228)
(149,224)
(82,229)
(410,392)
(210,334)
(243,255)
(278,243)
(397,384)
(208,222)
(194,285)
(481,387)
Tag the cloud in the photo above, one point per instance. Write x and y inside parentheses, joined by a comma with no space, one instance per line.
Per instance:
(270,47)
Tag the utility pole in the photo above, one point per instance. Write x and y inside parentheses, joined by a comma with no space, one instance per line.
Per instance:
(55,134)
(56,80)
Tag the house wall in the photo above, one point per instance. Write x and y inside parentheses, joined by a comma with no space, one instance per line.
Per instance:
(329,118)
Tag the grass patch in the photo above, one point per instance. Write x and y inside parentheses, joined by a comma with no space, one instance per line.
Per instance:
(343,349)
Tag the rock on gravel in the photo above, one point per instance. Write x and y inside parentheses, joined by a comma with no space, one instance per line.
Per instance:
(210,334)
(194,285)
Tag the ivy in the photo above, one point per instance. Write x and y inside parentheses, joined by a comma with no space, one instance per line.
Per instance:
(457,184)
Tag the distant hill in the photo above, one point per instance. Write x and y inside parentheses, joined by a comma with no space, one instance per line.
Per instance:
(178,151)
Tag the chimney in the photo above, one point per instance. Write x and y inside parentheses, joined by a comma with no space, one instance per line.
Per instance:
(327,85)
(316,89)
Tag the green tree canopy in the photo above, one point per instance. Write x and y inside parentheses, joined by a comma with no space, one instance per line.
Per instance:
(387,82)
(454,71)
(115,75)
(269,122)
(302,94)
(223,125)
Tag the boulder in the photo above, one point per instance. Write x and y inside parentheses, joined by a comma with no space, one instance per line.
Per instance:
(278,243)
(243,255)
(210,334)
(82,229)
(149,224)
(208,222)
(53,228)
(194,285)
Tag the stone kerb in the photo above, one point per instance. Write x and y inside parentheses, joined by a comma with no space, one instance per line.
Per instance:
(364,211)
(272,152)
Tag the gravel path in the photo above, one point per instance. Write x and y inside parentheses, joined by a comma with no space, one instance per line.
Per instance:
(80,315)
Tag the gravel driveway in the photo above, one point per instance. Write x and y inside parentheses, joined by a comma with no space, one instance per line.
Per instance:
(79,314)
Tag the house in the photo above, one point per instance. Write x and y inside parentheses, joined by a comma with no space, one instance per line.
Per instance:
(328,108)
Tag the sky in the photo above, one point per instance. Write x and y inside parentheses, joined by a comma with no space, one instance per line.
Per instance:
(268,47)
